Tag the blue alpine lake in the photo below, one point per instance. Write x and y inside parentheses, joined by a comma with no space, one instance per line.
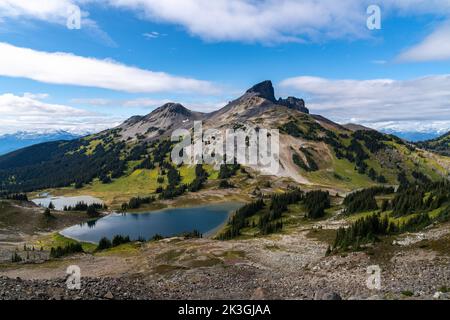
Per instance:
(167,222)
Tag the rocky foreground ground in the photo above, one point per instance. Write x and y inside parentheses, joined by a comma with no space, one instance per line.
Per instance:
(290,266)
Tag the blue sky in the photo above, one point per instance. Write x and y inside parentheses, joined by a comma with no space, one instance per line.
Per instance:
(131,56)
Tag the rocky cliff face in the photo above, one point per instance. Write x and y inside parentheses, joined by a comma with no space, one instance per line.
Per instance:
(293,103)
(264,90)
(256,101)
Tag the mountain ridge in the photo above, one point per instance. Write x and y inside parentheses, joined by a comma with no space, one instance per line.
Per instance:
(165,119)
(313,149)
(440,145)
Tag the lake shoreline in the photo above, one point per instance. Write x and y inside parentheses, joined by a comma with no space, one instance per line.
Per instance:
(169,222)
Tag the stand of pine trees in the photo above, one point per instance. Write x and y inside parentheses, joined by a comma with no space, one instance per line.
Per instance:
(369,229)
(82,206)
(364,200)
(420,197)
(316,202)
(68,249)
(228,170)
(364,230)
(92,210)
(271,221)
(239,219)
(16,197)
(200,178)
(79,168)
(171,191)
(117,240)
(268,222)
(137,202)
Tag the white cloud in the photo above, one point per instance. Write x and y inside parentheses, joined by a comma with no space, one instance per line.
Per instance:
(439,127)
(273,21)
(149,103)
(143,103)
(205,106)
(19,113)
(201,106)
(374,102)
(434,47)
(267,21)
(69,69)
(53,11)
(127,103)
(256,21)
(38,96)
(153,35)
(418,7)
(92,101)
(49,10)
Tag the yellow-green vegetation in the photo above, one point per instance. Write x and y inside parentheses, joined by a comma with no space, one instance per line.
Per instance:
(89,149)
(57,240)
(134,183)
(121,250)
(140,182)
(356,216)
(213,173)
(397,220)
(131,165)
(187,174)
(292,219)
(295,216)
(341,174)
(413,209)
(420,161)
(92,145)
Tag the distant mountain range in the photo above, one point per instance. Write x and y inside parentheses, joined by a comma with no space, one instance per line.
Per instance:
(22,139)
(414,136)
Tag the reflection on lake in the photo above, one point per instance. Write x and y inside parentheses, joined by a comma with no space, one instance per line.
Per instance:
(60,202)
(168,222)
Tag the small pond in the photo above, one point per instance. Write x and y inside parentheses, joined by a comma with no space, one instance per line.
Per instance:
(60,202)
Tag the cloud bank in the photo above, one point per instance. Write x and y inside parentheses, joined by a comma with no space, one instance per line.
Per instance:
(263,21)
(29,113)
(53,11)
(435,47)
(69,69)
(403,104)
